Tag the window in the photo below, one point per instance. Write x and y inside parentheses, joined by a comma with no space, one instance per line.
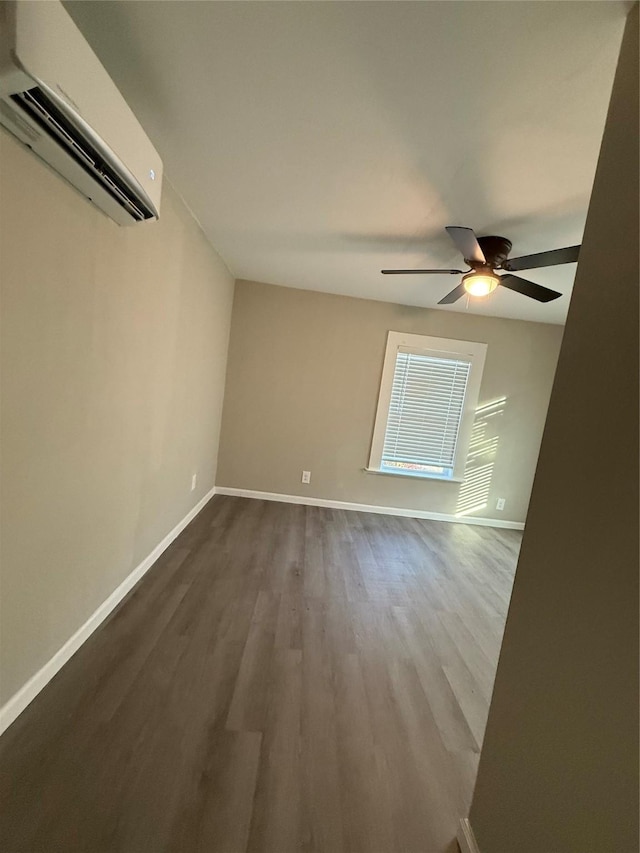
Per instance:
(428,395)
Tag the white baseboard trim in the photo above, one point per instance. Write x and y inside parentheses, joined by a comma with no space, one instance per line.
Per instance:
(466,839)
(382,510)
(27,693)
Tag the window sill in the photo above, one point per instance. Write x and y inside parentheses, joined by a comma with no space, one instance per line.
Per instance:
(406,475)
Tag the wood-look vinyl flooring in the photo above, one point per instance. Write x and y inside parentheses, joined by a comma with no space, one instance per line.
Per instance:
(285,678)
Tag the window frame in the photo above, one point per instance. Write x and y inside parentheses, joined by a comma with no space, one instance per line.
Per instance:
(472,351)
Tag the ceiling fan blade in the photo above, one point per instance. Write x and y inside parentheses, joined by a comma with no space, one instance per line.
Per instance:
(529,288)
(421,272)
(466,243)
(543,259)
(453,296)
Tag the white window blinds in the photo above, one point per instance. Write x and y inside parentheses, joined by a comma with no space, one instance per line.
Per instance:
(425,411)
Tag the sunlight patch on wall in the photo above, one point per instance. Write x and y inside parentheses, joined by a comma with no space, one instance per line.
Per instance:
(483,448)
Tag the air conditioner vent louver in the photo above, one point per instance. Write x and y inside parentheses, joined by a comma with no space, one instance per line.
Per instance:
(52,120)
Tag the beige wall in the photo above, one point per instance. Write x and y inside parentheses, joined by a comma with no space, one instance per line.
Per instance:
(302,385)
(114,346)
(559,767)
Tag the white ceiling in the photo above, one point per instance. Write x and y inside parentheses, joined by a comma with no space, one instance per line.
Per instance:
(318,142)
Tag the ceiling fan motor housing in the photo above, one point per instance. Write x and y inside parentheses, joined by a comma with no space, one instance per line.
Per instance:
(495,249)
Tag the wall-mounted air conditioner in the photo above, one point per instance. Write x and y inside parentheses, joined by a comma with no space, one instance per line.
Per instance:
(58,100)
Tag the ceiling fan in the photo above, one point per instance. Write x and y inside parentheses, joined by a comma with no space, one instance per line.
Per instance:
(485,255)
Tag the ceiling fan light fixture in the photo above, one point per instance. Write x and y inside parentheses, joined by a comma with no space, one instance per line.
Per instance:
(480,284)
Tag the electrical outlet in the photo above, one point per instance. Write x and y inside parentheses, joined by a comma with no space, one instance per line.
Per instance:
(306,476)
(500,503)
(194,480)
